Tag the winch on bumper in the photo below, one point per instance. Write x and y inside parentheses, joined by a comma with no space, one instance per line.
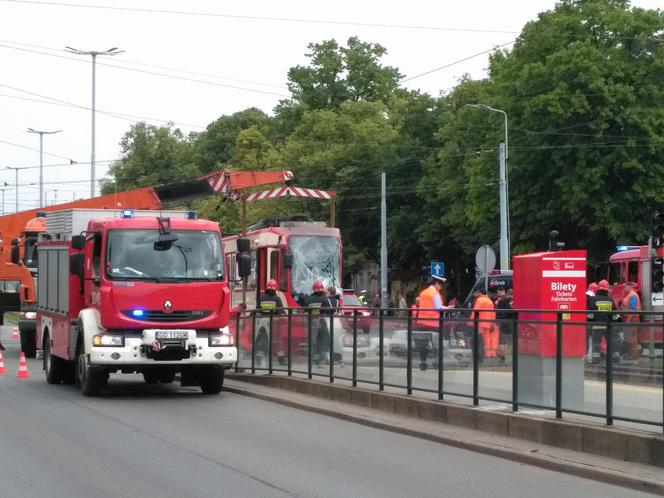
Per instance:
(162,346)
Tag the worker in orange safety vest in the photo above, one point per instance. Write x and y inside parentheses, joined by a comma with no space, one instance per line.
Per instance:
(483,310)
(431,302)
(631,302)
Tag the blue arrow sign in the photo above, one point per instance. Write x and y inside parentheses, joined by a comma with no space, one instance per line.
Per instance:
(437,269)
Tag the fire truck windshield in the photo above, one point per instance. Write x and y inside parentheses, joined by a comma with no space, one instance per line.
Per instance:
(314,258)
(131,255)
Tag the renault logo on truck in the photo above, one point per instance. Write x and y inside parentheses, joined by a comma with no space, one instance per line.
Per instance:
(168,306)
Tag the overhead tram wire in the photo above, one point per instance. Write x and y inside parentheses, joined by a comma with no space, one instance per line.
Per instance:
(154,73)
(295,20)
(459,61)
(6,142)
(156,66)
(127,117)
(262,18)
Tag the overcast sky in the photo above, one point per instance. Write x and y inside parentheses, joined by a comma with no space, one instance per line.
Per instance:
(243,51)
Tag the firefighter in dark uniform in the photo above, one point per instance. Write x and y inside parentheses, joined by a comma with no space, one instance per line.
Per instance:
(602,311)
(317,303)
(269,301)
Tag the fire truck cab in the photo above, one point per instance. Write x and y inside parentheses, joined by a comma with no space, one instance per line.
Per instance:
(133,294)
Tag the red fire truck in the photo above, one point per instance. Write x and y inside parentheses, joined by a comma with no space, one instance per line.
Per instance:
(295,254)
(133,294)
(633,264)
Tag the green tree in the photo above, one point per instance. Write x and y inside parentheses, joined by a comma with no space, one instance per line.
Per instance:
(583,91)
(345,150)
(216,145)
(336,74)
(151,156)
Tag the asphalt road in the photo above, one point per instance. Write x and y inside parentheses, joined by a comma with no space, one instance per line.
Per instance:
(167,441)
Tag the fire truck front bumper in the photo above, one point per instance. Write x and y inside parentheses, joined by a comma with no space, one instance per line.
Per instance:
(164,347)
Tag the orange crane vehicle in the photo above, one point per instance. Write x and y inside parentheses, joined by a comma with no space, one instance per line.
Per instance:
(18,264)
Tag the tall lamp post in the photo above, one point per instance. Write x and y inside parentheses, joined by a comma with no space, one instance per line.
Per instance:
(503,192)
(2,189)
(16,170)
(41,160)
(93,54)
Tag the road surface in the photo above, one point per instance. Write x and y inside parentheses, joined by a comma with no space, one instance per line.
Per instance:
(167,441)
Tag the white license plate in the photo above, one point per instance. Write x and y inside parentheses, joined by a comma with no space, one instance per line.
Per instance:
(171,334)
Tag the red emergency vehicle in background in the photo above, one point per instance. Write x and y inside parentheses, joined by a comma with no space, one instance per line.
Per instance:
(145,294)
(633,264)
(295,254)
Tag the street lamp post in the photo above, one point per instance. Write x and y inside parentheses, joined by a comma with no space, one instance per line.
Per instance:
(3,199)
(503,192)
(93,54)
(16,170)
(41,160)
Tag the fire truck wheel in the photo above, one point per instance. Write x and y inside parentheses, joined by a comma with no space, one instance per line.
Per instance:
(150,377)
(212,380)
(91,381)
(167,376)
(52,364)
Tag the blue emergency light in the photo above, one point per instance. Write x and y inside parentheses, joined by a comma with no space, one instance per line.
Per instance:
(137,313)
(127,213)
(190,215)
(626,248)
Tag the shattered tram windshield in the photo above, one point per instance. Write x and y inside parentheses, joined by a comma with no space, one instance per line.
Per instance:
(195,255)
(314,257)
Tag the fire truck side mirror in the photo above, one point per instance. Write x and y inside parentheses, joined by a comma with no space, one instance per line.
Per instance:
(287,261)
(76,264)
(16,252)
(243,245)
(77,242)
(243,265)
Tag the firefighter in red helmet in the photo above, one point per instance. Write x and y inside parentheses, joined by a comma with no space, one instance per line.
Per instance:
(602,311)
(270,302)
(317,303)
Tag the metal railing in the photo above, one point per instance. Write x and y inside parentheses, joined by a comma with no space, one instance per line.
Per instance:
(551,360)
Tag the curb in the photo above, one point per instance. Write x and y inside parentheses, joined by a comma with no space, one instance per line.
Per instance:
(526,457)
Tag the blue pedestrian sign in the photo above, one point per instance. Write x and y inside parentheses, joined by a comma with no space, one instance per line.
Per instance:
(437,269)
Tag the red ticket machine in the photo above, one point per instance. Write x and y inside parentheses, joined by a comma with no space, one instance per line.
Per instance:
(552,285)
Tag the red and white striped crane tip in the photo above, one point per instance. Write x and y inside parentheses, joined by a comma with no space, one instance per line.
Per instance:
(291,191)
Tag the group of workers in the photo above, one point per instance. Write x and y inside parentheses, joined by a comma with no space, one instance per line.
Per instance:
(493,326)
(322,302)
(602,310)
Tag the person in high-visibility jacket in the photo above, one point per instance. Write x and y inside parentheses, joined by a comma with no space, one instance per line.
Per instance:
(631,302)
(483,310)
(431,300)
(428,314)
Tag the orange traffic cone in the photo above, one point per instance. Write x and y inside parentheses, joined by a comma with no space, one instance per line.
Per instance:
(22,368)
(3,370)
(15,336)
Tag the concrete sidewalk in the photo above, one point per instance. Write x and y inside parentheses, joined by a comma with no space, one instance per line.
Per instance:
(633,475)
